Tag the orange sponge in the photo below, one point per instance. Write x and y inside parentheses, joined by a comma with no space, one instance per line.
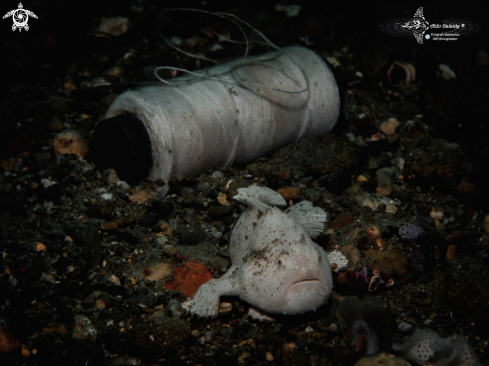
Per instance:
(188,278)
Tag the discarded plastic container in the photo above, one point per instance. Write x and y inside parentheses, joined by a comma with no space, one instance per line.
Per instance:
(202,122)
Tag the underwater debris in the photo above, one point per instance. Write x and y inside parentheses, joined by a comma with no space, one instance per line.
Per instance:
(410,231)
(361,321)
(427,345)
(141,121)
(401,73)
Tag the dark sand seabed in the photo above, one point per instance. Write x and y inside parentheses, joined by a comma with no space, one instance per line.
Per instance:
(86,280)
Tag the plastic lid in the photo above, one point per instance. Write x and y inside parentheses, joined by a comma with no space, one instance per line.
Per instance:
(123,144)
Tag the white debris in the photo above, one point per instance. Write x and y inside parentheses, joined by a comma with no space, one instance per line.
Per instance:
(333,61)
(12,280)
(107,196)
(291,10)
(336,257)
(115,280)
(162,240)
(176,40)
(161,192)
(70,142)
(114,26)
(46,182)
(446,72)
(48,205)
(123,185)
(404,327)
(259,315)
(373,201)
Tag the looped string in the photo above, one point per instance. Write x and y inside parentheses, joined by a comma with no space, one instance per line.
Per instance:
(218,75)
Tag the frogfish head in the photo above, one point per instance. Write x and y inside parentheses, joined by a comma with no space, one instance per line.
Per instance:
(288,273)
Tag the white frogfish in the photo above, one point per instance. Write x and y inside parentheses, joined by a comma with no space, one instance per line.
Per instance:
(276,267)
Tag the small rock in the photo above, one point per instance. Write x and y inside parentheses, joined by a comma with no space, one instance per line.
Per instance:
(70,142)
(436,214)
(336,182)
(108,225)
(84,329)
(161,192)
(404,327)
(110,176)
(126,361)
(309,329)
(375,200)
(171,252)
(46,182)
(162,240)
(56,125)
(373,233)
(140,196)
(384,181)
(115,280)
(446,72)
(114,26)
(208,336)
(176,40)
(222,199)
(243,356)
(39,246)
(249,341)
(195,333)
(8,342)
(259,315)
(338,259)
(451,251)
(225,307)
(217,174)
(333,61)
(176,309)
(157,271)
(290,10)
(485,224)
(389,126)
(269,356)
(191,236)
(13,281)
(123,185)
(49,278)
(219,211)
(290,193)
(289,347)
(313,195)
(25,351)
(333,328)
(107,196)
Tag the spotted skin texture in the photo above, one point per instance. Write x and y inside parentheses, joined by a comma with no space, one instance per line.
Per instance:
(275,264)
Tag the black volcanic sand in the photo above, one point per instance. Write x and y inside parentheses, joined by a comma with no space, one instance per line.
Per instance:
(83,279)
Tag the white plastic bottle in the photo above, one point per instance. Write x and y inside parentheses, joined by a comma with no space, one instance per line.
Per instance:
(254,105)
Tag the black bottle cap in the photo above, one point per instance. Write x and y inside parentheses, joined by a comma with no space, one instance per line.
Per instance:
(123,144)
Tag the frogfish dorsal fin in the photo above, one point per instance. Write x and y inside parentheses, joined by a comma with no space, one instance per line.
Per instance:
(312,219)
